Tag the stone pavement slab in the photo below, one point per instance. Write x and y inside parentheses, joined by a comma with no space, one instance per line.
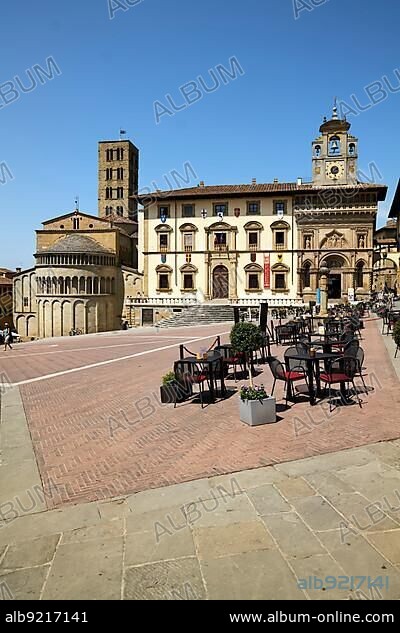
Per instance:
(227,540)
(261,575)
(169,580)
(293,537)
(90,570)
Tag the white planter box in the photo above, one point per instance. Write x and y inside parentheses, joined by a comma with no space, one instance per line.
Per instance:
(256,412)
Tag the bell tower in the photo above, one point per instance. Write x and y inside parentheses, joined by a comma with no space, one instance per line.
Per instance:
(335,153)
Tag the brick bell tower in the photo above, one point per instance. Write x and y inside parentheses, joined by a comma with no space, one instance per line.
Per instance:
(118,178)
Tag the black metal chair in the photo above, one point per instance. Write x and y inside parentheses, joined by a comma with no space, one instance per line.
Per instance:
(359,355)
(290,376)
(284,334)
(230,358)
(338,371)
(188,374)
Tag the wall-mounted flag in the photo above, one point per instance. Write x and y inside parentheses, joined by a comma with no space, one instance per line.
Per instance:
(163,258)
(220,214)
(253,257)
(204,213)
(163,218)
(237,212)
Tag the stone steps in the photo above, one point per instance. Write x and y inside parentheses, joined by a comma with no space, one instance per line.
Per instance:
(203,314)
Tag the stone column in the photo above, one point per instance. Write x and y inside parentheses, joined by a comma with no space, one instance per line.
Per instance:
(323,286)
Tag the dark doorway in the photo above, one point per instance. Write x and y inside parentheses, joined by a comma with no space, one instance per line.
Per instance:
(220,282)
(147,316)
(335,286)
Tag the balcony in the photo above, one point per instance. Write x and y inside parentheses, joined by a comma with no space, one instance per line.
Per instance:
(253,248)
(188,249)
(164,249)
(280,247)
(220,248)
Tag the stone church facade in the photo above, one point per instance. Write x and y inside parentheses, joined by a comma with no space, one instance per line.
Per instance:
(85,271)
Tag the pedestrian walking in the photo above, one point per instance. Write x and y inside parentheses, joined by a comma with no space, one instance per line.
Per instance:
(7,337)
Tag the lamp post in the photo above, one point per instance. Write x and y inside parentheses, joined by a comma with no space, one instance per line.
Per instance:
(323,286)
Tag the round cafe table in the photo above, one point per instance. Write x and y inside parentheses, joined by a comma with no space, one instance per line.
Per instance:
(313,370)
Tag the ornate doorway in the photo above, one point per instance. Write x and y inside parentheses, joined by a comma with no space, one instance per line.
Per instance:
(335,286)
(335,264)
(220,283)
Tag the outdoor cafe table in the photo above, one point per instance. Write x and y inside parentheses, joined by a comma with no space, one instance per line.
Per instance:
(313,361)
(325,342)
(213,365)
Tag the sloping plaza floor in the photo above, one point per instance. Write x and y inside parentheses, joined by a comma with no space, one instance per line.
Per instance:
(104,494)
(99,431)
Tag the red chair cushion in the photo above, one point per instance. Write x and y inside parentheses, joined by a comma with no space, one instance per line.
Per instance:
(293,375)
(335,378)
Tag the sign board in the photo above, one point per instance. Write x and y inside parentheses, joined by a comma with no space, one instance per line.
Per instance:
(267,271)
(351,294)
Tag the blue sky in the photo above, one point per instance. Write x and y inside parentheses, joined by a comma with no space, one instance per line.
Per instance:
(113,70)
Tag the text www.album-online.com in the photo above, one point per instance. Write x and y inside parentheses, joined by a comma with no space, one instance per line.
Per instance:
(337,617)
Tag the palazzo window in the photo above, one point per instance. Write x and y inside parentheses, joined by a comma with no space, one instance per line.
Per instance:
(188,242)
(280,231)
(279,240)
(164,242)
(280,281)
(220,210)
(253,208)
(280,277)
(220,242)
(253,241)
(188,277)
(279,208)
(253,230)
(163,211)
(163,281)
(188,210)
(253,277)
(164,278)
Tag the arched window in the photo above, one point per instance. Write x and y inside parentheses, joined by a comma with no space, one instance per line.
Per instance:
(334,146)
(307,275)
(352,149)
(360,275)
(74,285)
(317,151)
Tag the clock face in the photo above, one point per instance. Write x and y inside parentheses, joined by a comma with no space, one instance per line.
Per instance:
(334,170)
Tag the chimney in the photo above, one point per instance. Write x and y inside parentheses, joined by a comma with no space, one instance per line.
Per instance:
(276,180)
(18,270)
(254,181)
(299,181)
(201,183)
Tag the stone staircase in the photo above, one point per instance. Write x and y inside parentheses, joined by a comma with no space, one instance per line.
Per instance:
(199,314)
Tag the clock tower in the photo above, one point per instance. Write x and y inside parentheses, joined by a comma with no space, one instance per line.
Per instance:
(335,153)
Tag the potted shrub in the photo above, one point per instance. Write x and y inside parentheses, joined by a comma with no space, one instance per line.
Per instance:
(171,389)
(256,407)
(246,338)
